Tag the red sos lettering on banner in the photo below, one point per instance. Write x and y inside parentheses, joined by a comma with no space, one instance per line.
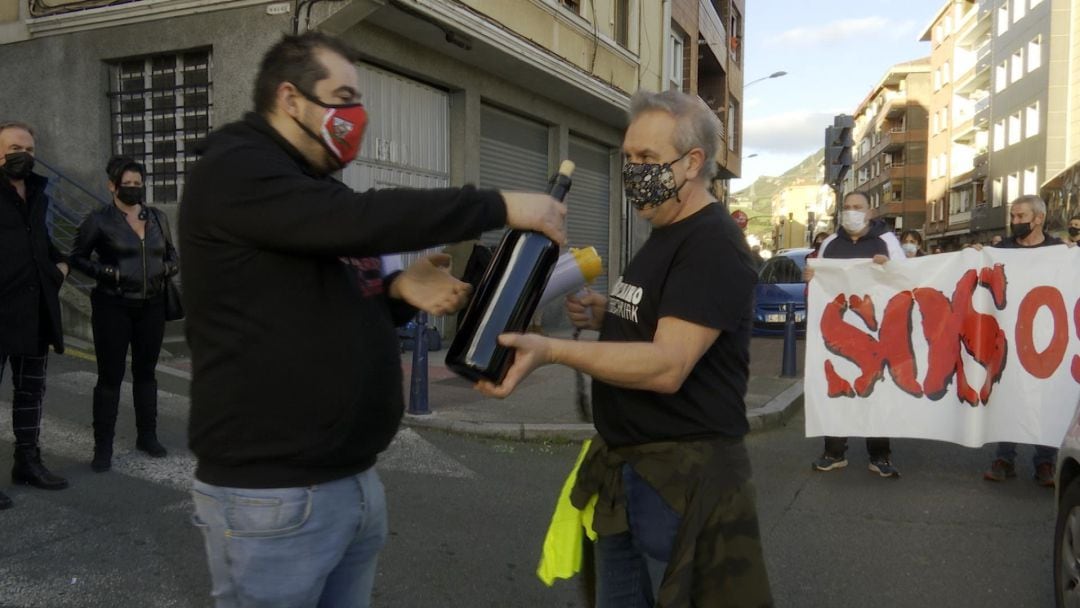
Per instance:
(949,326)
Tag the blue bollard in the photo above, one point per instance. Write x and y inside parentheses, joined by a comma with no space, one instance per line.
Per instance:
(418,387)
(788,368)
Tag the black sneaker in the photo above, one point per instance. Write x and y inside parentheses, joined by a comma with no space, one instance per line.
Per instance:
(884,468)
(829,463)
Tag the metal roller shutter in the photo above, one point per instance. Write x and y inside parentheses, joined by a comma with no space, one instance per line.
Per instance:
(588,217)
(513,156)
(407,141)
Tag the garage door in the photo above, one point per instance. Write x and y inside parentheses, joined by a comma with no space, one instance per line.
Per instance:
(407,141)
(513,155)
(588,220)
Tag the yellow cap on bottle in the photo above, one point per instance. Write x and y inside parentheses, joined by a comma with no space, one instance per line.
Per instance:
(588,260)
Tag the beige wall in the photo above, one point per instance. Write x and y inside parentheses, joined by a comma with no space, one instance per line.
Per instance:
(1073,120)
(937,189)
(9,11)
(574,37)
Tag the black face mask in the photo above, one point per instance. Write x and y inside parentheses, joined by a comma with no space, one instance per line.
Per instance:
(1074,231)
(18,165)
(1021,230)
(131,195)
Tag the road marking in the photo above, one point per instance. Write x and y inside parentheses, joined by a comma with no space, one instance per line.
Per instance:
(75,441)
(408,453)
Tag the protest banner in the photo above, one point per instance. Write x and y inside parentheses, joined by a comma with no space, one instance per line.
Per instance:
(968,347)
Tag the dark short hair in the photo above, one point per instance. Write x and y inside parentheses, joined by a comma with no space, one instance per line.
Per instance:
(119,165)
(857,193)
(914,233)
(293,59)
(15,124)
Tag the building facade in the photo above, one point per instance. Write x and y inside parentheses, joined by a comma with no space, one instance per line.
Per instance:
(1022,153)
(959,116)
(890,144)
(1062,191)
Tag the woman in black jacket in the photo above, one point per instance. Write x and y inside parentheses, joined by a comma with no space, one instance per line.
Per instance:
(134,260)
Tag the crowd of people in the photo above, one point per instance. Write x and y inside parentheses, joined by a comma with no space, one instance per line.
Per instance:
(295,391)
(861,235)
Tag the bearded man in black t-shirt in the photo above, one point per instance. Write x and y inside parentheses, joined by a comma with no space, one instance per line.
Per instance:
(676,514)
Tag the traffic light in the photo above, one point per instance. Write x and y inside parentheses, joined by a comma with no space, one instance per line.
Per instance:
(838,142)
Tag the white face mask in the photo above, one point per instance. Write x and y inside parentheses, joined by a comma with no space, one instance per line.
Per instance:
(910,249)
(853,221)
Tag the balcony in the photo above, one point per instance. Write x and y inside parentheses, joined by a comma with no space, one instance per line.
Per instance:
(968,18)
(984,58)
(963,127)
(981,115)
(894,139)
(895,104)
(897,172)
(981,164)
(712,30)
(874,182)
(959,218)
(975,24)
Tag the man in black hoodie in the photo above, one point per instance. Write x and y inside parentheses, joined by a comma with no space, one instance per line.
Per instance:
(297,383)
(861,235)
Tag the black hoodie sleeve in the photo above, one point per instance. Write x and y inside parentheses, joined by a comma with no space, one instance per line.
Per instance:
(263,198)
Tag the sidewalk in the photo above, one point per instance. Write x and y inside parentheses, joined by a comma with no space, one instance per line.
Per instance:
(545,405)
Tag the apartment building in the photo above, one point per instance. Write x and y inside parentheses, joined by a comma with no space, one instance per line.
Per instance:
(890,144)
(705,49)
(1062,191)
(1027,105)
(960,38)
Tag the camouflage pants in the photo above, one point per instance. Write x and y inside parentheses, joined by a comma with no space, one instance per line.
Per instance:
(729,568)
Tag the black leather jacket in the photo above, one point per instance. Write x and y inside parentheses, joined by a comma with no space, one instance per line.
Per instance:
(125,265)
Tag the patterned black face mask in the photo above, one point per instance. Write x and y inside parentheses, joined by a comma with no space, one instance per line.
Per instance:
(650,184)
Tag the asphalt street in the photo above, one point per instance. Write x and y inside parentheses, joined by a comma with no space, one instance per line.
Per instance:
(468,516)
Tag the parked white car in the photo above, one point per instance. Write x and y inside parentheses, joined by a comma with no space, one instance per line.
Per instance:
(1067,531)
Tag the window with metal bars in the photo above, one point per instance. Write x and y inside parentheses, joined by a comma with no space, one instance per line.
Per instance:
(160,108)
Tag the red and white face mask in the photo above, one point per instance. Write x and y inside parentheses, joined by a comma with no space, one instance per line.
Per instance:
(342,128)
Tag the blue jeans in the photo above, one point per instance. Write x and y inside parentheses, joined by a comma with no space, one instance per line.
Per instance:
(293,547)
(1043,454)
(630,566)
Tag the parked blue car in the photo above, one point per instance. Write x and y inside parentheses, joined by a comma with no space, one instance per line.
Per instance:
(780,282)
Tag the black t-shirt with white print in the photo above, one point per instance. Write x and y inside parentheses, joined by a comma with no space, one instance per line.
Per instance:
(698,270)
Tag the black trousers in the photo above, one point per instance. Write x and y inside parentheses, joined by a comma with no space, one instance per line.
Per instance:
(877,447)
(119,322)
(28,378)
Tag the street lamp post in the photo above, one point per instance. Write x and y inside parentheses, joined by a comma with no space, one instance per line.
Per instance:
(773,75)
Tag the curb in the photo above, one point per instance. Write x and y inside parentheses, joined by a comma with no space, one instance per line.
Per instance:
(772,415)
(777,412)
(513,431)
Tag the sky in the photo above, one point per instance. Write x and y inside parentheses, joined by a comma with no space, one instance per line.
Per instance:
(834,52)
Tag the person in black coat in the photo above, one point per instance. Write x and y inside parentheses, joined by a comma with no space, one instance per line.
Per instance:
(127,248)
(31,272)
